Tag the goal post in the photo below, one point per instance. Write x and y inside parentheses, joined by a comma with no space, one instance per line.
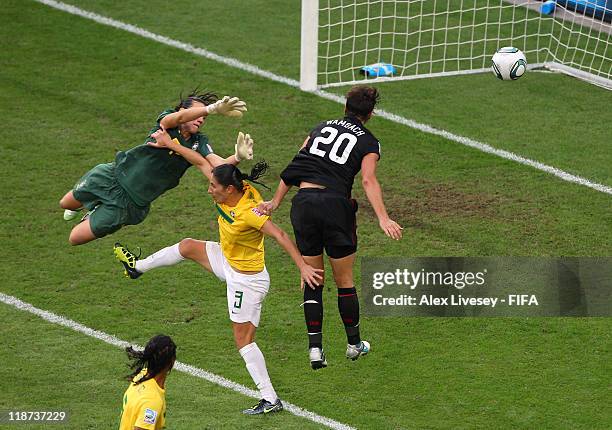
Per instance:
(430,38)
(309,45)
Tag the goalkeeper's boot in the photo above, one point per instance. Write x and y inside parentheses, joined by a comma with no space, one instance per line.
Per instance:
(355,351)
(69,215)
(264,407)
(128,259)
(317,358)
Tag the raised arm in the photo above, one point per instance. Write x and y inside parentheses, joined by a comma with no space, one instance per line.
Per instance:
(308,273)
(374,194)
(163,140)
(227,106)
(182,116)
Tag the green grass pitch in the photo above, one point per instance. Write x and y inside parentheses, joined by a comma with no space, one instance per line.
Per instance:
(73,92)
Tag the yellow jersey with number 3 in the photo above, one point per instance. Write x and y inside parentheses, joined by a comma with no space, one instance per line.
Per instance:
(144,405)
(241,240)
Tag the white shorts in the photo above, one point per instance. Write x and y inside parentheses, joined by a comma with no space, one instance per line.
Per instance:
(245,293)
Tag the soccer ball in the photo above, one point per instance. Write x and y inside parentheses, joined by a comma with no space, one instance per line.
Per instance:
(509,63)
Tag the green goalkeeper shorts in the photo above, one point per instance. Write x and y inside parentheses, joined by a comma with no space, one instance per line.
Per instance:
(109,205)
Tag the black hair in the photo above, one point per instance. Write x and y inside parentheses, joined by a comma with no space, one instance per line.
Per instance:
(361,99)
(206,98)
(159,353)
(228,174)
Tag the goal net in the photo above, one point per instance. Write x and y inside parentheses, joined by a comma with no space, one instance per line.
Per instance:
(428,38)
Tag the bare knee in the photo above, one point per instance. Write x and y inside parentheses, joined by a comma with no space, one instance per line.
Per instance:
(69,202)
(81,233)
(65,202)
(343,271)
(244,340)
(344,281)
(188,247)
(79,238)
(244,334)
(74,239)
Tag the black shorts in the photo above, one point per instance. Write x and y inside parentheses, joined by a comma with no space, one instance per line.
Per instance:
(322,218)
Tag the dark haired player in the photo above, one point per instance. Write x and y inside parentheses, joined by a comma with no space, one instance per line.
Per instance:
(323,213)
(144,402)
(120,193)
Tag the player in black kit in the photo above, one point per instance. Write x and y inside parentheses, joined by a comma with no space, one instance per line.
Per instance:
(323,213)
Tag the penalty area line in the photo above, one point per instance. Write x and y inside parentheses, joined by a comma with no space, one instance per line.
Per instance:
(232,62)
(181,367)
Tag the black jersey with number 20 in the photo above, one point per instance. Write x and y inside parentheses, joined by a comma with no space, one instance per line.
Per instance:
(332,157)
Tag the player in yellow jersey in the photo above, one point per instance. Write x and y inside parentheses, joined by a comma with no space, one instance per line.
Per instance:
(238,259)
(144,402)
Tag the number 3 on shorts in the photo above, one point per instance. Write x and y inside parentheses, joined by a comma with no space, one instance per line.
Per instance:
(238,299)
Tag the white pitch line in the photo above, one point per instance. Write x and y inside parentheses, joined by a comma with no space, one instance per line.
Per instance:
(232,62)
(182,367)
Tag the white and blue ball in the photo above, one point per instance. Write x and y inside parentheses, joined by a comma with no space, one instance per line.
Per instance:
(509,64)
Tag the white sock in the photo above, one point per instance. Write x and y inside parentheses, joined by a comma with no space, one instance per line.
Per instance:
(256,365)
(164,257)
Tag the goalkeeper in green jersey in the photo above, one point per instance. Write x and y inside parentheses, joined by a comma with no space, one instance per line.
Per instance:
(120,193)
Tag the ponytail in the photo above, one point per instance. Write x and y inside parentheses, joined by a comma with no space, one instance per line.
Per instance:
(228,174)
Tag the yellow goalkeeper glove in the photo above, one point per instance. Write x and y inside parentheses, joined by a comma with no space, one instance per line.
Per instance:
(244,147)
(228,106)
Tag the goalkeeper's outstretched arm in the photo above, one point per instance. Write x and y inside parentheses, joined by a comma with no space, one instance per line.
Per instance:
(175,119)
(227,106)
(162,140)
